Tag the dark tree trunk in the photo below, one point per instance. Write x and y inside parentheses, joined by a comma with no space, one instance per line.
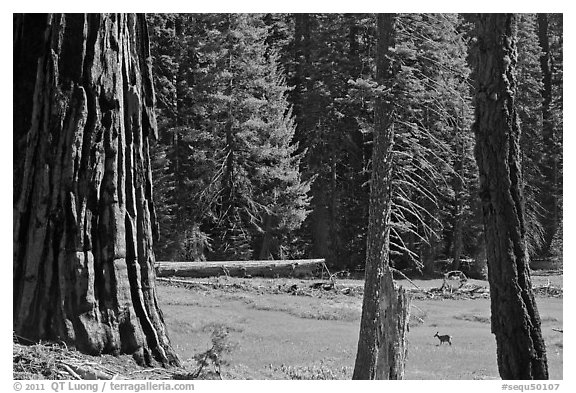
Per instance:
(427,254)
(457,235)
(305,111)
(302,81)
(521,351)
(265,251)
(382,343)
(321,228)
(354,50)
(458,228)
(83,214)
(549,201)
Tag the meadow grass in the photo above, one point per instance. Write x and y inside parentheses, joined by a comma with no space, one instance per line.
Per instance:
(281,336)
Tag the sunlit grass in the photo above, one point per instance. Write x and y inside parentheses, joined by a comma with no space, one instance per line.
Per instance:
(280,336)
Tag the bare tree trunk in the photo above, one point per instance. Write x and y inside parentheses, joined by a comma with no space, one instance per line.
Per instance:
(83,214)
(382,344)
(521,351)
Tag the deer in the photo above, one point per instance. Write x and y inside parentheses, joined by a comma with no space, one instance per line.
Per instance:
(444,338)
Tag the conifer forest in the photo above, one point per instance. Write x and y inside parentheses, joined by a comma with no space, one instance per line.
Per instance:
(333,175)
(266,135)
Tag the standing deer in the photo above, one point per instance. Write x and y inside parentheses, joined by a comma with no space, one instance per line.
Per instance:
(444,338)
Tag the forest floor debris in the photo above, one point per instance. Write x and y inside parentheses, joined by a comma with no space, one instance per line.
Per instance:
(425,289)
(46,360)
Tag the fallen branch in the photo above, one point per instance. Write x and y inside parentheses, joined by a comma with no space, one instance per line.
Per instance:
(89,373)
(70,371)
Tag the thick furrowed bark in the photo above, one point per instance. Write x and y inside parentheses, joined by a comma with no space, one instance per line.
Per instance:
(521,351)
(83,219)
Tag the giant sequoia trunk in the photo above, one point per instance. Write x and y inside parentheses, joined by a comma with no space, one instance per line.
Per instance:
(83,215)
(382,343)
(521,351)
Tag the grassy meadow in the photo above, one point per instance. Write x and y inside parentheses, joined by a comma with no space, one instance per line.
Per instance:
(277,335)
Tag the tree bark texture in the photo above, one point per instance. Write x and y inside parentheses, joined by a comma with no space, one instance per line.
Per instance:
(521,351)
(83,267)
(382,344)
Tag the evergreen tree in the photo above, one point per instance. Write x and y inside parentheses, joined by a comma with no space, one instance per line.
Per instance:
(233,158)
(550,38)
(530,115)
(208,166)
(432,210)
(172,43)
(434,141)
(556,118)
(329,50)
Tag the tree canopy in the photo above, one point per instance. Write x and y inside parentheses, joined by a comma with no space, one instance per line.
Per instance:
(266,135)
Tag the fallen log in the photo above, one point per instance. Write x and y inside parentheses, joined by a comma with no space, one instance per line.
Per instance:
(273,268)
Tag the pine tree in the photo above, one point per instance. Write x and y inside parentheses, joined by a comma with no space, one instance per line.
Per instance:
(432,208)
(530,115)
(328,128)
(173,37)
(556,118)
(550,39)
(434,142)
(236,163)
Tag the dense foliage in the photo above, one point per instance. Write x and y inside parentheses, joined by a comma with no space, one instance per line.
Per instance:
(229,180)
(265,141)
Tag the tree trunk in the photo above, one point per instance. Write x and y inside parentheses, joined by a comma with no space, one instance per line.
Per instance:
(83,214)
(457,236)
(382,344)
(263,268)
(321,229)
(353,46)
(521,351)
(302,81)
(265,245)
(458,228)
